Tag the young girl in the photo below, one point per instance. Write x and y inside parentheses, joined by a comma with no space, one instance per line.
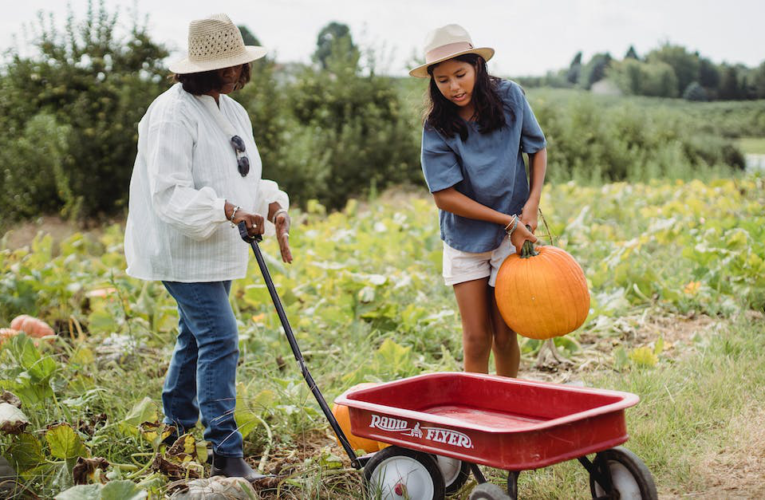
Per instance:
(473,140)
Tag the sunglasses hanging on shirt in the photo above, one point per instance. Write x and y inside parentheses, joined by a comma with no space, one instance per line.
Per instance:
(242,161)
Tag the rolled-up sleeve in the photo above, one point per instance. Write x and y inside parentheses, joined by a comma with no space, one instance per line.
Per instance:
(196,213)
(439,162)
(269,192)
(532,137)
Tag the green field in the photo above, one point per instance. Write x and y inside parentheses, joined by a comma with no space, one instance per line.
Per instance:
(676,272)
(752,145)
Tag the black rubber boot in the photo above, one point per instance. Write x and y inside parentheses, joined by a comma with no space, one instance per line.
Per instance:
(234,467)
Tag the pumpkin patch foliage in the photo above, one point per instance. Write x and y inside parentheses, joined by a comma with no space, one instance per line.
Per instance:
(367,302)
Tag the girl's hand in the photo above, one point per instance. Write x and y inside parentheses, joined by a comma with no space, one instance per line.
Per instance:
(282,222)
(519,237)
(529,215)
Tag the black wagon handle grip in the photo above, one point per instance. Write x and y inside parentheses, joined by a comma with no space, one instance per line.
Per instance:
(357,462)
(246,235)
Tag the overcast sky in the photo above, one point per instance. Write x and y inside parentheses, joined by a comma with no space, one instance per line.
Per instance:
(530,36)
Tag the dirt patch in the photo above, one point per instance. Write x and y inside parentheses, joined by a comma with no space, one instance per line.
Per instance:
(597,347)
(736,471)
(59,229)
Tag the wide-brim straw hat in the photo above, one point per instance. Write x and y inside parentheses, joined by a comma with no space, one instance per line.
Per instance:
(446,43)
(215,43)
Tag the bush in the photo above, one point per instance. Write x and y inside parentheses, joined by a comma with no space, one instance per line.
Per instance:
(96,86)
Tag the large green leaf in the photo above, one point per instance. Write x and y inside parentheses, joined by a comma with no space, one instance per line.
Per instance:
(25,452)
(39,367)
(65,443)
(89,492)
(122,490)
(144,411)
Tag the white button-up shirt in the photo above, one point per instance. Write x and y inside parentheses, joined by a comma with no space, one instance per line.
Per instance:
(185,171)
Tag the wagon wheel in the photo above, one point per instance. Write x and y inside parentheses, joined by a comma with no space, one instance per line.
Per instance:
(455,472)
(488,491)
(399,473)
(629,477)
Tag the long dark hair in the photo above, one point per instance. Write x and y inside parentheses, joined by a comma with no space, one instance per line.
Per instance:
(204,82)
(442,113)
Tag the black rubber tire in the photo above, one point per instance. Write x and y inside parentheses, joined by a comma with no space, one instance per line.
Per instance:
(388,455)
(459,481)
(488,491)
(622,457)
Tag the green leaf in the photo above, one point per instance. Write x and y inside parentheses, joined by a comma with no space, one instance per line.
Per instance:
(143,411)
(29,357)
(122,490)
(393,356)
(89,492)
(65,443)
(102,321)
(25,452)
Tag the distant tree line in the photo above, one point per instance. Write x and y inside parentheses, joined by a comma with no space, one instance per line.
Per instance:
(668,71)
(328,131)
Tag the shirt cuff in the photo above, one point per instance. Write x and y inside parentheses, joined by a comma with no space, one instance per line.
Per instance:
(219,206)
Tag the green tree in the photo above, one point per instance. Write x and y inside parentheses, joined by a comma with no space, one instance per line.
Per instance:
(685,64)
(730,88)
(695,92)
(594,70)
(97,86)
(709,76)
(759,81)
(574,69)
(335,39)
(631,54)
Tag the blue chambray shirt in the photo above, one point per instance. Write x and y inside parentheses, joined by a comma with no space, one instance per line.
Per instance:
(488,168)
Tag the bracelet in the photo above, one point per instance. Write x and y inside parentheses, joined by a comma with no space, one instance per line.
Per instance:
(276,214)
(509,230)
(233,214)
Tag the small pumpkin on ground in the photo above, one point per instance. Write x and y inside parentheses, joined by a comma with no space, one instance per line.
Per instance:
(7,333)
(32,326)
(343,417)
(542,293)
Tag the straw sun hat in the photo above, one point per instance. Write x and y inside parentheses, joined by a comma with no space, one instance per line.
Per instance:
(215,43)
(445,43)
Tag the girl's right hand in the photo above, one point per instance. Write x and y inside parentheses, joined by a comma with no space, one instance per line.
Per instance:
(519,237)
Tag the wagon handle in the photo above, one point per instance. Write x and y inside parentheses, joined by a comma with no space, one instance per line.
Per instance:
(253,241)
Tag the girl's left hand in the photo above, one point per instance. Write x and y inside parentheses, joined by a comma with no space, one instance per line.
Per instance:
(529,216)
(282,224)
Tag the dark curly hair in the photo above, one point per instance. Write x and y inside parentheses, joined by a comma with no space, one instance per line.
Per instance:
(204,82)
(442,113)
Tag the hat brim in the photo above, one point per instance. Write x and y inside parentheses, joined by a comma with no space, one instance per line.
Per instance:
(184,66)
(422,71)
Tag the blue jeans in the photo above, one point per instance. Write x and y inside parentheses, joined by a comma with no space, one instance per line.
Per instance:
(202,373)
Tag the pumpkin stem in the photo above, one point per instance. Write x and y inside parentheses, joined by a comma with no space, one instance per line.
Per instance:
(527,250)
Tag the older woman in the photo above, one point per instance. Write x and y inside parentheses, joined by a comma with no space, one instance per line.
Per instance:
(196,176)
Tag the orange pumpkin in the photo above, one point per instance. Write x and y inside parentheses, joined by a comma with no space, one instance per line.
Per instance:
(32,326)
(542,293)
(6,333)
(343,418)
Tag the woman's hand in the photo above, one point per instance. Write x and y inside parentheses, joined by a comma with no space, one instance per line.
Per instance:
(529,215)
(255,222)
(520,235)
(282,222)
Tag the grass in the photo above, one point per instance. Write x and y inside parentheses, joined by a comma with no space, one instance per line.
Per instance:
(752,145)
(686,422)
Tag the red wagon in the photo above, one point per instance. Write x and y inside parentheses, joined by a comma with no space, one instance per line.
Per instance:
(442,425)
(509,424)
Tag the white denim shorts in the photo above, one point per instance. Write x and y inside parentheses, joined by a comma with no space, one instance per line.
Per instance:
(460,266)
